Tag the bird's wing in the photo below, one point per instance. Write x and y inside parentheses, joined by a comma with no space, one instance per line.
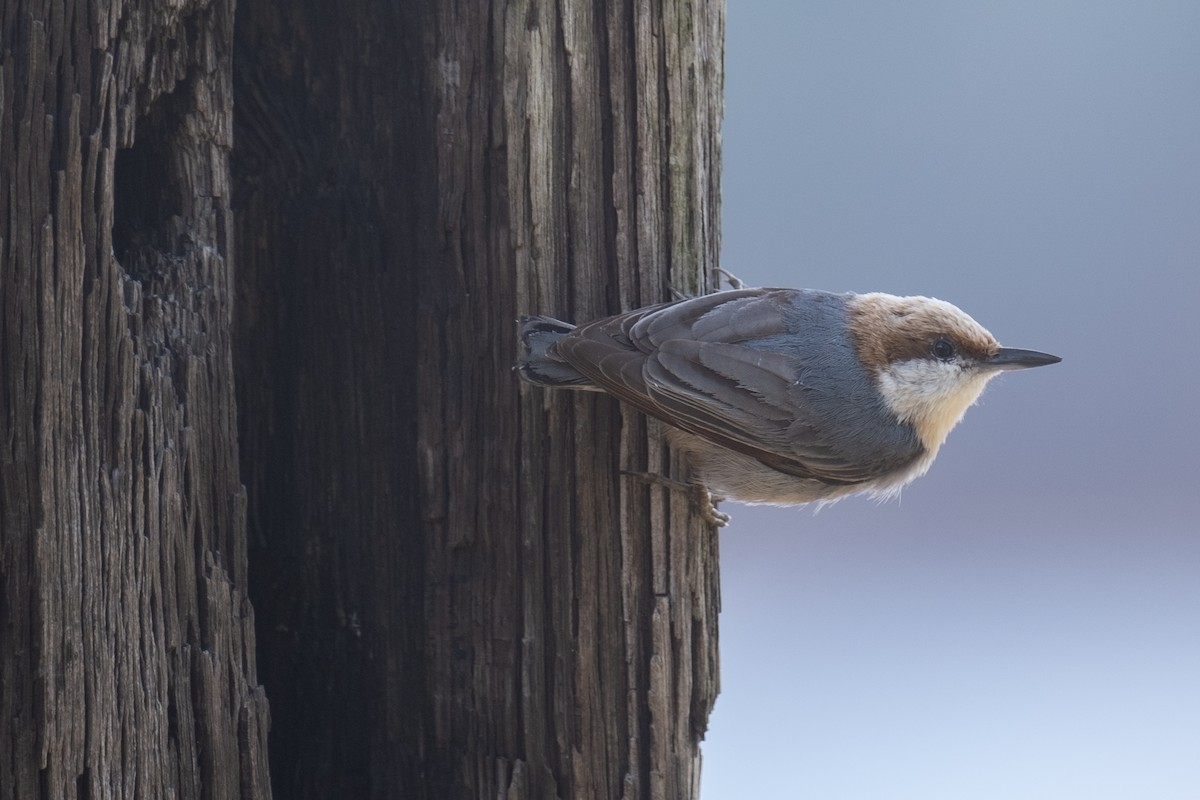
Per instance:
(688,364)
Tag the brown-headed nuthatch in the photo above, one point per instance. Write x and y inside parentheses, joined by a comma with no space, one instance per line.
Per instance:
(785,396)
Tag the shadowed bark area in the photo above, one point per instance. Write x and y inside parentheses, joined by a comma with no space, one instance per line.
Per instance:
(127,648)
(458,594)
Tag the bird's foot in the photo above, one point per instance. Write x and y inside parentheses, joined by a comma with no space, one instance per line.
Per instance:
(733,280)
(704,502)
(721,274)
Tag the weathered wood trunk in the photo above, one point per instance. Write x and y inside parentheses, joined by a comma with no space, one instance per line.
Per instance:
(458,595)
(127,647)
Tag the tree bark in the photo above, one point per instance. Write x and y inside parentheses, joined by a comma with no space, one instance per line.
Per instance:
(127,646)
(458,593)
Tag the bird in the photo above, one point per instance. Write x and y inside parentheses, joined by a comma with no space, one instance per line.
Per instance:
(784,396)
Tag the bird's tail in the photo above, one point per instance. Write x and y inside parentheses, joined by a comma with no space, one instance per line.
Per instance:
(537,364)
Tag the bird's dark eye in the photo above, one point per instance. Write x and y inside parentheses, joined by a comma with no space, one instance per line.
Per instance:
(943,349)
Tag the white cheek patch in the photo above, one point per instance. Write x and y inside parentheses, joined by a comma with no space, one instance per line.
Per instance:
(932,396)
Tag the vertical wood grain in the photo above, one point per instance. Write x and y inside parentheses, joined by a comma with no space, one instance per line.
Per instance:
(127,645)
(451,574)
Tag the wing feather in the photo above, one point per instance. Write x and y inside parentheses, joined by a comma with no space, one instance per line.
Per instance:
(700,365)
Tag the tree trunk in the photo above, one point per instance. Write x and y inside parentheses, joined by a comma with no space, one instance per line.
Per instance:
(458,593)
(127,648)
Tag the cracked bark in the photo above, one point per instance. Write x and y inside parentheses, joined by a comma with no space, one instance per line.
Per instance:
(456,593)
(127,663)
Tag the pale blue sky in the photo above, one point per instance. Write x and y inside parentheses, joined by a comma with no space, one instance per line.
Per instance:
(1025,622)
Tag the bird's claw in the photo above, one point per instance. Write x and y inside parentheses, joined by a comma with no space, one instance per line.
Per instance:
(721,273)
(704,502)
(733,280)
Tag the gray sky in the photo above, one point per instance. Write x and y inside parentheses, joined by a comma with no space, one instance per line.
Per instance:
(1025,621)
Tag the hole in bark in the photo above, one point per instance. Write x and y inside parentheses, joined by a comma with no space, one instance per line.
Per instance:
(147,186)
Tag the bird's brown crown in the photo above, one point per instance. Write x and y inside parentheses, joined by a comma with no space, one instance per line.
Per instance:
(888,329)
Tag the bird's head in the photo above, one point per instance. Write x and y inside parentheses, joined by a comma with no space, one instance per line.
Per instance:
(930,360)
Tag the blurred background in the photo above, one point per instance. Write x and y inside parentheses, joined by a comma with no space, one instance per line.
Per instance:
(1025,621)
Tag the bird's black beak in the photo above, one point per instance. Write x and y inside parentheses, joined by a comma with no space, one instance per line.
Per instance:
(1012,358)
